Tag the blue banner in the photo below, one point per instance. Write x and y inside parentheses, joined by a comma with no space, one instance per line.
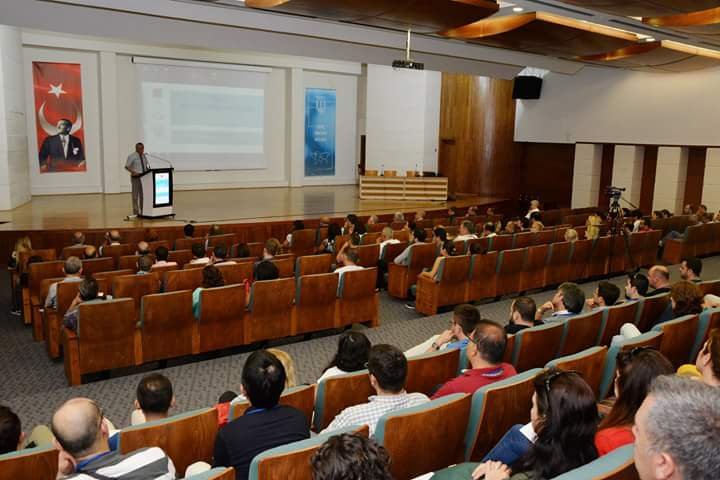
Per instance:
(320,108)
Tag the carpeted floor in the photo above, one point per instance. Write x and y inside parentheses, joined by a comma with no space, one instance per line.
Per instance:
(34,386)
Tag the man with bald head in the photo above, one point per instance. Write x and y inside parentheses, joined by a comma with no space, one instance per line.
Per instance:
(78,239)
(659,277)
(143,248)
(111,238)
(81,435)
(90,252)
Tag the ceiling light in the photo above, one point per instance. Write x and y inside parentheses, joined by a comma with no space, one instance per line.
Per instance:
(649,39)
(518,9)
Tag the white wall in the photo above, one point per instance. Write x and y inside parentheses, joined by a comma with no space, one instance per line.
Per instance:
(402,119)
(586,175)
(711,185)
(605,105)
(670,178)
(627,171)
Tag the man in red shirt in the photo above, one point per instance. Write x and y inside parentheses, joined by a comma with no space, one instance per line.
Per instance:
(485,352)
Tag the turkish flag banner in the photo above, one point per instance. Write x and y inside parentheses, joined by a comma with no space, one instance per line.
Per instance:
(59,117)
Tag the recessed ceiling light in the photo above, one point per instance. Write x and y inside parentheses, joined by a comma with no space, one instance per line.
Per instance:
(649,39)
(518,9)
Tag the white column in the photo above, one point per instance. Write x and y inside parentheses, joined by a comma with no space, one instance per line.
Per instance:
(112,160)
(711,185)
(586,175)
(296,127)
(627,171)
(670,179)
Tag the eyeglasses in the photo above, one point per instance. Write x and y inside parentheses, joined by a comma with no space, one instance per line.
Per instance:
(555,374)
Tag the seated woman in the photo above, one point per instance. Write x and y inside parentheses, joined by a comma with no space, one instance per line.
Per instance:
(636,370)
(351,355)
(707,363)
(559,438)
(447,250)
(328,243)
(212,277)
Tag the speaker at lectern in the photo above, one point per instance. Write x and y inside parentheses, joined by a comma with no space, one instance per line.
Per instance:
(157,193)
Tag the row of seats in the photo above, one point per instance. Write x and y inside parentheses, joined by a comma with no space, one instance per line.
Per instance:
(698,240)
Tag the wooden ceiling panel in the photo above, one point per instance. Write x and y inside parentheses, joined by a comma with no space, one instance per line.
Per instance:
(704,24)
(544,34)
(422,16)
(645,8)
(665,56)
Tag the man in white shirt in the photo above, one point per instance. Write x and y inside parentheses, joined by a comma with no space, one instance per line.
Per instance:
(467,231)
(349,257)
(73,273)
(489,230)
(199,255)
(137,164)
(220,256)
(568,301)
(387,367)
(161,258)
(534,207)
(386,238)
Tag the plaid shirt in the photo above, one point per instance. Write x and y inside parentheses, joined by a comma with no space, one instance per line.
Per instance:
(369,413)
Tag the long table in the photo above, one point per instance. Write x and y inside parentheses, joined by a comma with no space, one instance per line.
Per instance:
(403,188)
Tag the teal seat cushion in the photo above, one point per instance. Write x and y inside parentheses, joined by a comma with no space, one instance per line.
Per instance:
(207,475)
(603,466)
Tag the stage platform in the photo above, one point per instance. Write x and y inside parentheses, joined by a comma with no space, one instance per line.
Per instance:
(99,211)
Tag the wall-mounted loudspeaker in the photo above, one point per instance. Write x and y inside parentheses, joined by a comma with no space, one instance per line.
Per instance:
(527,88)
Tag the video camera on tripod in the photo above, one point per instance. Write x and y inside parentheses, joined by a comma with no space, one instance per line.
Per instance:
(615,193)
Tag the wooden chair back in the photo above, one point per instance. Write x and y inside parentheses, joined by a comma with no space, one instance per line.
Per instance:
(536,346)
(652,308)
(130,262)
(510,264)
(256,249)
(599,255)
(93,266)
(614,318)
(532,275)
(187,243)
(162,313)
(546,237)
(678,338)
(313,264)
(315,302)
(186,438)
(235,274)
(581,332)
(335,394)
(301,397)
(616,465)
(41,461)
(39,271)
(271,305)
(375,227)
(369,255)
(483,274)
(108,278)
(73,251)
(401,235)
(117,251)
(188,279)
(579,258)
(524,239)
(222,317)
(227,239)
(557,270)
(181,257)
(370,238)
(340,241)
(392,250)
(711,287)
(439,427)
(427,372)
(589,363)
(154,245)
(135,287)
(303,242)
(285,266)
(650,339)
(357,298)
(502,242)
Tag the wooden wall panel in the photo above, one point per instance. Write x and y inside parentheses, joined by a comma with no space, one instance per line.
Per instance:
(606,174)
(647,188)
(477,125)
(695,176)
(547,173)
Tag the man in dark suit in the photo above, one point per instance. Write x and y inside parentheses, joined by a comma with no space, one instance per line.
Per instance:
(61,147)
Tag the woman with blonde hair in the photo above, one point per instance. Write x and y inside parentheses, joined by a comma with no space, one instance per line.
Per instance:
(571,235)
(288,363)
(593,226)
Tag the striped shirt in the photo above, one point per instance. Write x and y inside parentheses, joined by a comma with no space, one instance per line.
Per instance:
(143,464)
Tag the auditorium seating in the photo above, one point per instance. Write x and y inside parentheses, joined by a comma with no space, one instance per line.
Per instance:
(135,287)
(117,251)
(357,300)
(579,258)
(313,264)
(581,332)
(186,438)
(710,287)
(270,310)
(447,288)
(303,241)
(483,275)
(509,266)
(41,461)
(589,363)
(31,294)
(37,314)
(649,339)
(429,371)
(234,274)
(108,277)
(368,255)
(532,275)
(161,313)
(438,428)
(392,250)
(93,266)
(73,251)
(130,262)
(679,337)
(708,321)
(616,465)
(218,473)
(402,277)
(334,394)
(315,303)
(285,266)
(222,321)
(615,317)
(181,257)
(650,309)
(301,397)
(536,346)
(187,243)
(188,279)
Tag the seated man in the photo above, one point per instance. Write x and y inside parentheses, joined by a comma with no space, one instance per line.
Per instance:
(488,230)
(349,258)
(534,208)
(271,248)
(388,373)
(418,236)
(78,239)
(11,434)
(439,236)
(111,238)
(568,301)
(88,292)
(143,248)
(522,315)
(73,273)
(690,269)
(636,287)
(90,252)
(606,295)
(373,220)
(676,431)
(161,258)
(659,277)
(81,435)
(351,457)
(464,319)
(199,255)
(189,230)
(154,399)
(144,264)
(386,238)
(466,231)
(264,425)
(220,254)
(485,354)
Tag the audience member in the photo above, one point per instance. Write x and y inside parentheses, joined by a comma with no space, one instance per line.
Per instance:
(690,269)
(485,353)
(351,356)
(353,221)
(297,225)
(635,371)
(271,248)
(488,230)
(266,270)
(568,301)
(73,273)
(189,231)
(11,434)
(593,226)
(242,250)
(688,209)
(373,220)
(420,216)
(199,255)
(447,249)
(418,236)
(439,236)
(522,315)
(636,287)
(388,372)
(161,258)
(606,295)
(386,238)
(677,431)
(472,211)
(571,235)
(212,277)
(534,208)
(685,299)
(708,359)
(82,436)
(154,399)
(111,238)
(348,257)
(266,424)
(88,292)
(90,252)
(702,214)
(144,264)
(351,457)
(659,277)
(143,248)
(78,239)
(220,254)
(466,231)
(536,225)
(399,217)
(465,318)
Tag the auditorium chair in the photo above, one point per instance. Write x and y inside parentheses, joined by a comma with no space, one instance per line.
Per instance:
(375,227)
(154,245)
(438,427)
(499,243)
(428,371)
(392,250)
(369,255)
(618,254)
(401,235)
(650,254)
(483,274)
(532,274)
(285,266)
(370,238)
(524,239)
(714,237)
(36,273)
(303,242)
(130,262)
(135,287)
(227,239)
(710,287)
(495,408)
(42,461)
(546,237)
(195,266)
(159,272)
(256,249)
(616,465)
(187,279)
(650,309)
(679,338)
(557,269)
(39,310)
(107,337)
(650,339)
(581,332)
(161,313)
(335,394)
(315,303)
(186,438)
(397,225)
(73,251)
(301,397)
(615,317)
(270,310)
(217,473)
(559,231)
(536,346)
(589,363)
(235,274)
(93,266)
(638,243)
(579,259)
(402,277)
(449,287)
(222,319)
(674,250)
(340,241)
(357,300)
(709,320)
(313,264)
(117,251)
(187,243)
(108,277)
(598,259)
(292,461)
(181,257)
(509,266)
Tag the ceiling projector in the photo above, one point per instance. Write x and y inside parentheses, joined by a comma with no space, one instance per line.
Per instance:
(407,62)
